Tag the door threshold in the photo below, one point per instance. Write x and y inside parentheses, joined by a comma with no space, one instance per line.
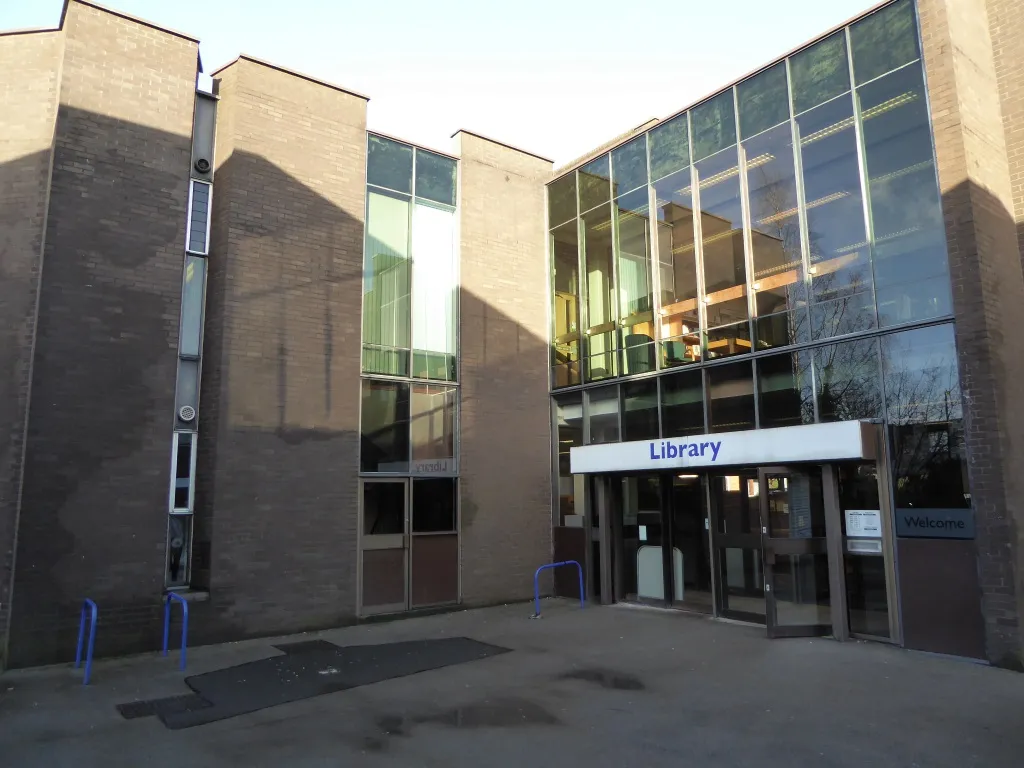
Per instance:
(738,622)
(662,608)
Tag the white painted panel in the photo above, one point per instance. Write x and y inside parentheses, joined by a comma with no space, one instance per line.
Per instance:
(838,441)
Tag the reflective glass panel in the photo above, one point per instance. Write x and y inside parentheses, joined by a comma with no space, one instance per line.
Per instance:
(562,200)
(433,505)
(192,306)
(569,434)
(383,508)
(386,300)
(925,412)
(820,72)
(433,428)
(640,410)
(603,414)
(796,507)
(884,41)
(763,100)
(841,298)
(779,286)
(728,340)
(714,125)
(602,324)
(389,164)
(435,177)
(384,438)
(682,404)
(910,262)
(636,309)
(594,183)
(565,333)
(435,286)
(670,147)
(721,221)
(848,381)
(785,390)
(742,576)
(866,592)
(730,397)
(679,321)
(629,165)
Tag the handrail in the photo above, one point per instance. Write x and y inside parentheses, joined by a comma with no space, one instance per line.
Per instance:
(81,636)
(173,596)
(536,584)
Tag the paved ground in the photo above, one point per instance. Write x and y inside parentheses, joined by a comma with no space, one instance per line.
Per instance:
(608,686)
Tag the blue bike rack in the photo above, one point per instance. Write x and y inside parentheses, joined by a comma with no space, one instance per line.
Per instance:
(87,603)
(536,583)
(171,597)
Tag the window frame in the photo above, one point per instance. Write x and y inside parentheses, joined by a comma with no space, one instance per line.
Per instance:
(190,509)
(188,219)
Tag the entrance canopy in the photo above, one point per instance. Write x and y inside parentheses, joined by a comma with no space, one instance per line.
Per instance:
(837,441)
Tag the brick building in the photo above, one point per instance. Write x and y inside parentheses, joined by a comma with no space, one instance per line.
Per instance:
(755,359)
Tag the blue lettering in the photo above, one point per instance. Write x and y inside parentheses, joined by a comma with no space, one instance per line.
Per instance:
(715,447)
(654,456)
(694,449)
(672,451)
(703,447)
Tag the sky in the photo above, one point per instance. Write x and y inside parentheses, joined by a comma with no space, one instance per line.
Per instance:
(553,77)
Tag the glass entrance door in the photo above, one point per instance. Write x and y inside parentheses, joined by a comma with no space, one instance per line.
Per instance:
(735,500)
(795,555)
(384,547)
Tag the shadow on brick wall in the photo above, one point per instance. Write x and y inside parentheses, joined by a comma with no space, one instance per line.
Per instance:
(277,481)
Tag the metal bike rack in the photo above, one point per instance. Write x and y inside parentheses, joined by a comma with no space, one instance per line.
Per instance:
(536,584)
(87,603)
(174,597)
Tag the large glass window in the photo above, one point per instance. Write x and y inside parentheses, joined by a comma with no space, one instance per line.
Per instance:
(432,428)
(670,147)
(763,100)
(730,397)
(602,315)
(884,41)
(714,125)
(603,414)
(848,381)
(909,257)
(635,305)
(389,164)
(629,166)
(785,390)
(780,292)
(682,404)
(433,505)
(925,413)
(384,427)
(679,320)
(562,200)
(435,292)
(435,177)
(640,410)
(841,296)
(569,431)
(725,271)
(595,183)
(191,335)
(820,72)
(565,332)
(386,271)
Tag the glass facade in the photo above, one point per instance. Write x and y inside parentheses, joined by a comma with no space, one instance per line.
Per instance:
(774,256)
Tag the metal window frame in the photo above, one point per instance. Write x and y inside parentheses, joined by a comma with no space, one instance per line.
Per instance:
(194,437)
(186,580)
(188,222)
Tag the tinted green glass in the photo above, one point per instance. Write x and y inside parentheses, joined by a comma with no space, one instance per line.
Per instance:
(909,255)
(730,397)
(636,308)
(714,125)
(386,268)
(640,410)
(565,331)
(629,166)
(679,319)
(764,101)
(602,331)
(384,427)
(389,164)
(435,177)
(682,404)
(884,41)
(562,200)
(594,184)
(670,147)
(784,390)
(820,73)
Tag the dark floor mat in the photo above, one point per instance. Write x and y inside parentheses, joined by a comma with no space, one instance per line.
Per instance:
(312,668)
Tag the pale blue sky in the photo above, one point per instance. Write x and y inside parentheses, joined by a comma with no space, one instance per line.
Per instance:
(556,77)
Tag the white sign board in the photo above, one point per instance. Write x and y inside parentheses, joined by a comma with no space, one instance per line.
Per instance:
(838,441)
(865,523)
